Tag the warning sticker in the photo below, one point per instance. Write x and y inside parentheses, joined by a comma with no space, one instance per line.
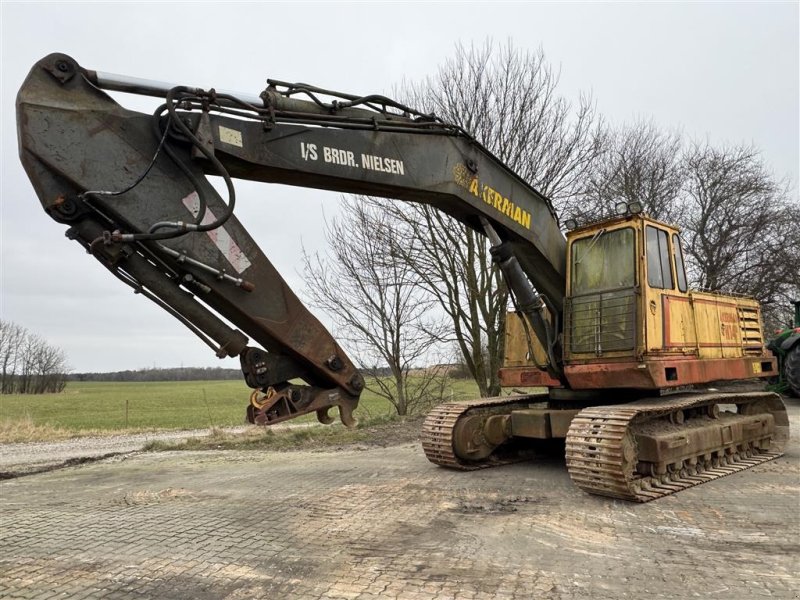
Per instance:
(220,236)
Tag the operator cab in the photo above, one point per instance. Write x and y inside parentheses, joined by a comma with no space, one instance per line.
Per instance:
(612,266)
(602,288)
(629,307)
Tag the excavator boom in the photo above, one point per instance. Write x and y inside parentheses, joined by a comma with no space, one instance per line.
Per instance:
(132,188)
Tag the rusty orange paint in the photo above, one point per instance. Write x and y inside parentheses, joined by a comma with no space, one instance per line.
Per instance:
(527,377)
(665,373)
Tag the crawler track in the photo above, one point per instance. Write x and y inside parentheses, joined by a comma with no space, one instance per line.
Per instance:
(439,426)
(601,448)
(602,457)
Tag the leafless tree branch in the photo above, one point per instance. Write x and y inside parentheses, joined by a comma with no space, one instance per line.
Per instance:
(380,311)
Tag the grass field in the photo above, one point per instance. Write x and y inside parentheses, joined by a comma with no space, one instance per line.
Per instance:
(100,407)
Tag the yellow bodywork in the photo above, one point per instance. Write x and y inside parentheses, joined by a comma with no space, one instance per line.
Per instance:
(703,324)
(630,319)
(522,346)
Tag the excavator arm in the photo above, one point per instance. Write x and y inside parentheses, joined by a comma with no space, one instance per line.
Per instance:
(132,189)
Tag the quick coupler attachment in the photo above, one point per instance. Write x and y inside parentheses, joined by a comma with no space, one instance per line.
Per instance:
(278,404)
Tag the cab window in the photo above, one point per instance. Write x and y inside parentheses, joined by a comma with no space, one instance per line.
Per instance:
(604,261)
(659,273)
(680,270)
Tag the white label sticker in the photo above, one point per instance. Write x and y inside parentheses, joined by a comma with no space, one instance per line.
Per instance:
(230,136)
(220,236)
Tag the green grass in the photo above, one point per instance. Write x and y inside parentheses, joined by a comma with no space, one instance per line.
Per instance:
(370,430)
(97,407)
(149,405)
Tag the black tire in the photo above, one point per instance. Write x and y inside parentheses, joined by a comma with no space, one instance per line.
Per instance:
(791,370)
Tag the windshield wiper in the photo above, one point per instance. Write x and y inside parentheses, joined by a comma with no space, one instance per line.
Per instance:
(593,241)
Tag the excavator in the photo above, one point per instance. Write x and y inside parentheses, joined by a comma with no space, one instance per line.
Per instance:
(603,319)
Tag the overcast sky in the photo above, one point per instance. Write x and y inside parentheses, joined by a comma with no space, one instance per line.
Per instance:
(728,72)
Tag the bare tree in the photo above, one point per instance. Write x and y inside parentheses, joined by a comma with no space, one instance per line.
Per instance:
(640,163)
(507,99)
(49,369)
(377,305)
(11,336)
(29,349)
(452,264)
(737,219)
(740,226)
(29,364)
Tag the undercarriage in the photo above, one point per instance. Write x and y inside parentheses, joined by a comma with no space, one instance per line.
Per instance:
(637,451)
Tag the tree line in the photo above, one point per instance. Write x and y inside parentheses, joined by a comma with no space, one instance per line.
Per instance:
(28,364)
(155,374)
(405,283)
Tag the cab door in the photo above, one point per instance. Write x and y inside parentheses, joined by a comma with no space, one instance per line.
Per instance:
(670,309)
(659,286)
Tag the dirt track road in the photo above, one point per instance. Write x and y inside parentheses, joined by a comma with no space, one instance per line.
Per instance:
(384,523)
(36,456)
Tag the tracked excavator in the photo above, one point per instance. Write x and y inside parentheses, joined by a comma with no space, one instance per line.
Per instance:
(603,318)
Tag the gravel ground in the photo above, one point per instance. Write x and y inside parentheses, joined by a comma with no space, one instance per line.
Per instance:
(16,459)
(373,523)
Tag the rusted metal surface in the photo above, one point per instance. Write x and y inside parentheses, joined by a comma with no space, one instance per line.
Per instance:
(81,149)
(638,451)
(641,451)
(713,324)
(132,188)
(466,449)
(541,423)
(660,373)
(531,423)
(527,377)
(277,405)
(657,334)
(601,323)
(668,445)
